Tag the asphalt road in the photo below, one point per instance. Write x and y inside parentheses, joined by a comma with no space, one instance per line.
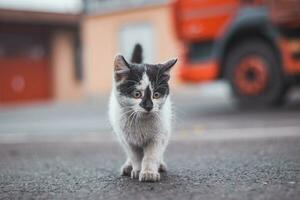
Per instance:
(217,151)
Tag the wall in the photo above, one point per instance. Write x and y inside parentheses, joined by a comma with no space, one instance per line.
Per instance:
(100,40)
(65,86)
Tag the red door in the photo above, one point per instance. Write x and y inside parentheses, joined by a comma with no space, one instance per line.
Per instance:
(24,68)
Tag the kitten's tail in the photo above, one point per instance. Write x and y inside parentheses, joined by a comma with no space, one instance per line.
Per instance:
(137,54)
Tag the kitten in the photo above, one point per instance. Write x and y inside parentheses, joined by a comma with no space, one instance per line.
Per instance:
(140,114)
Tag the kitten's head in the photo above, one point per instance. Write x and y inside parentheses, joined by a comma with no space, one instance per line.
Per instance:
(141,87)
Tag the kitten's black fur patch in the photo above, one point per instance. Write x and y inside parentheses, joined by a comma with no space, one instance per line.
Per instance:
(158,78)
(146,102)
(133,78)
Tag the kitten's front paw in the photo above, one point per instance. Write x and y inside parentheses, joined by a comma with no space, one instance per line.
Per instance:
(150,176)
(162,167)
(126,170)
(135,174)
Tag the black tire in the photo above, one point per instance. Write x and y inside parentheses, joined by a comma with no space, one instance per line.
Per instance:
(275,87)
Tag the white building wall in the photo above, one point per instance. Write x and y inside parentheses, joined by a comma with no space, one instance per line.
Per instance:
(61,6)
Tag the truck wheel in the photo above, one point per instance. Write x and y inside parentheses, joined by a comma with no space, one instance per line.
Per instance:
(255,74)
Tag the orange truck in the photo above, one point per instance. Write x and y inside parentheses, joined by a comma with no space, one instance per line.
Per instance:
(254,44)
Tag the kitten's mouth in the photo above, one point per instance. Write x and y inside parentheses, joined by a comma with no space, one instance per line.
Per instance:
(147,114)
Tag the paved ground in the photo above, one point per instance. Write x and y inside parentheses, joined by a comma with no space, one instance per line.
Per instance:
(216,152)
(255,169)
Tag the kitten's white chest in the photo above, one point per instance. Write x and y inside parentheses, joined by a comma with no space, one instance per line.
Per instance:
(141,131)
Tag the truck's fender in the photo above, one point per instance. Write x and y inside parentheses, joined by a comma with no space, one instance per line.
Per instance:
(252,22)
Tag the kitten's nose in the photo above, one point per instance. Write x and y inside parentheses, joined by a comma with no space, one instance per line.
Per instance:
(148,108)
(147,105)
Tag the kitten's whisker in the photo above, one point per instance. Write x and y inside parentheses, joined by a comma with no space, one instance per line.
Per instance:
(134,119)
(125,113)
(134,114)
(128,110)
(130,119)
(130,116)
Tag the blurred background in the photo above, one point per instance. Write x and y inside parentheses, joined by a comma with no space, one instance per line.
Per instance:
(63,51)
(235,94)
(56,57)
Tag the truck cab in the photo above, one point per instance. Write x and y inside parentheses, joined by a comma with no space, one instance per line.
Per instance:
(253,44)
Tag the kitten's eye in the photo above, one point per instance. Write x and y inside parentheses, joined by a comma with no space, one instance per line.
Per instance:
(136,94)
(156,95)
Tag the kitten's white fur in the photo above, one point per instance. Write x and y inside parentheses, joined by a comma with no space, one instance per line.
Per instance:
(144,139)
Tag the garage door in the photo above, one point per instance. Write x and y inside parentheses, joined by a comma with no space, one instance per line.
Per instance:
(24,67)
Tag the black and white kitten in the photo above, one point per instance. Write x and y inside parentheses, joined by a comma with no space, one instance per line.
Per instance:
(140,114)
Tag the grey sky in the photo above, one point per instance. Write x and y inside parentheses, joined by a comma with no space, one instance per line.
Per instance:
(68,6)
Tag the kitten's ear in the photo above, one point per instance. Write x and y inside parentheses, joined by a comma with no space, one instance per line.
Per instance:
(166,67)
(121,67)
